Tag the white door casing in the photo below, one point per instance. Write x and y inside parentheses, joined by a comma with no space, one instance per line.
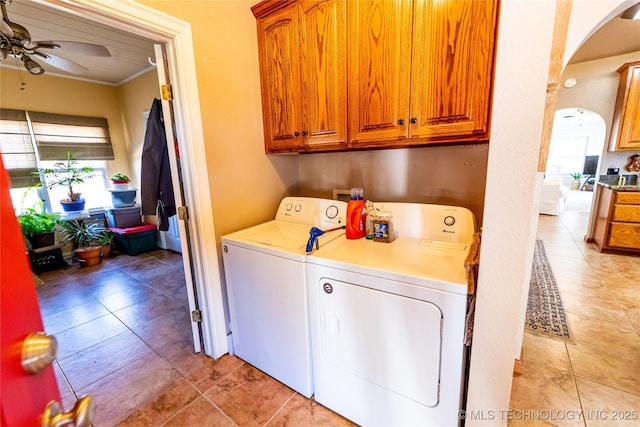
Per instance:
(176,34)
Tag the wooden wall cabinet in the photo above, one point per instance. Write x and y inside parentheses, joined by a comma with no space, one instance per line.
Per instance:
(419,72)
(625,130)
(302,48)
(617,225)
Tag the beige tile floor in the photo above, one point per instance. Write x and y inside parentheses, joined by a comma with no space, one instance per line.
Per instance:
(124,337)
(594,378)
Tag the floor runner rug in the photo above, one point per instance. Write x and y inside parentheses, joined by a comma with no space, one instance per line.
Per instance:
(545,314)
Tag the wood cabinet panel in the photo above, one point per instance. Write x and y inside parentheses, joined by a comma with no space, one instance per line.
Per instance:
(601,226)
(379,70)
(324,74)
(625,235)
(627,198)
(452,69)
(279,50)
(626,213)
(617,224)
(302,48)
(626,119)
(339,74)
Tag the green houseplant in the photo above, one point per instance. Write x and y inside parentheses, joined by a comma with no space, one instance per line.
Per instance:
(576,180)
(106,241)
(120,181)
(38,227)
(86,240)
(66,173)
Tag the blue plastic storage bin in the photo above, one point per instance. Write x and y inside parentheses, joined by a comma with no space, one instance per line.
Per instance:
(123,198)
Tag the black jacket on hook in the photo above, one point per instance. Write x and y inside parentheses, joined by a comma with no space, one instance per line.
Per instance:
(156,187)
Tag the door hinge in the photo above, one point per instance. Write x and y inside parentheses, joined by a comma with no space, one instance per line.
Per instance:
(167,95)
(196,316)
(183,213)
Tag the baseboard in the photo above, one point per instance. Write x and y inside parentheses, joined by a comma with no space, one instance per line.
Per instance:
(518,365)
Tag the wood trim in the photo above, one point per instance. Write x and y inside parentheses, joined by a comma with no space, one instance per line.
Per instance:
(267,7)
(563,13)
(518,364)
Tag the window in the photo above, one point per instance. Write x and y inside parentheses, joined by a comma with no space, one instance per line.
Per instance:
(53,135)
(94,190)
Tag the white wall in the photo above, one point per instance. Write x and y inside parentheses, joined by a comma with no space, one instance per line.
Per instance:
(524,46)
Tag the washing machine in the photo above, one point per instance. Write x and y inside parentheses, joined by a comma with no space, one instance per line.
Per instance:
(388,320)
(265,275)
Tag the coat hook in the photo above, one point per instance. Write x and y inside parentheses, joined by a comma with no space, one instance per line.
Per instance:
(151,61)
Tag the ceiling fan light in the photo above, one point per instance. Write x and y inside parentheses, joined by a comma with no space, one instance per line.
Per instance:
(632,13)
(32,66)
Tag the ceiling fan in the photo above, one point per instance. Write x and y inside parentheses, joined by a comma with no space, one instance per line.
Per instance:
(15,41)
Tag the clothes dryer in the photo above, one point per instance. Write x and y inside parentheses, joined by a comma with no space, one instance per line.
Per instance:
(388,319)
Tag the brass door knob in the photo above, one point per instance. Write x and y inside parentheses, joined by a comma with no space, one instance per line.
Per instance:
(39,350)
(81,415)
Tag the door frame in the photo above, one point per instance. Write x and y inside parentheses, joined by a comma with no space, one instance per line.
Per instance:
(176,35)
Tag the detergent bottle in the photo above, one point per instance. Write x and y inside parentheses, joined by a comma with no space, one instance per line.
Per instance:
(356,215)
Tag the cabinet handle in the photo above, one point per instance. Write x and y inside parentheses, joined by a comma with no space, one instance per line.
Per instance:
(401,121)
(304,133)
(296,134)
(414,120)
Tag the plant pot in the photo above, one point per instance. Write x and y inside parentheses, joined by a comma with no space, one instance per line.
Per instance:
(119,185)
(42,240)
(68,206)
(106,250)
(89,255)
(575,184)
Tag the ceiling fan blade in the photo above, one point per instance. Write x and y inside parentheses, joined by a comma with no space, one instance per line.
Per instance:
(82,48)
(6,29)
(61,63)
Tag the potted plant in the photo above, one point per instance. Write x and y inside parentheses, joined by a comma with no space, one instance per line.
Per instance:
(120,181)
(106,240)
(38,227)
(575,185)
(67,173)
(86,240)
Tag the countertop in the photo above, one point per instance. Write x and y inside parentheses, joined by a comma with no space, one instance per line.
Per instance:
(634,187)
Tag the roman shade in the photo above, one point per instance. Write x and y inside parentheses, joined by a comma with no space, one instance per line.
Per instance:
(87,138)
(17,148)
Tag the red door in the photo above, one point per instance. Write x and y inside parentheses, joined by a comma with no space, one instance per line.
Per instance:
(23,397)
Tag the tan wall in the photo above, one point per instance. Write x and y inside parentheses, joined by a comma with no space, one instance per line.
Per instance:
(51,94)
(136,97)
(246,185)
(596,90)
(444,175)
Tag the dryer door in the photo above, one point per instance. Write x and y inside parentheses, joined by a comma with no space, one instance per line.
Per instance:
(390,340)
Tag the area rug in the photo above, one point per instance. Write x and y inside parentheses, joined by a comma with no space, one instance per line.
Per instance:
(545,314)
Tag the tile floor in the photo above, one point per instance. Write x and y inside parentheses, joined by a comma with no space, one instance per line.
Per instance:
(594,378)
(124,337)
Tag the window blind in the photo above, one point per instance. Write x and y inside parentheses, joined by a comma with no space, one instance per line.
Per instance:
(87,138)
(17,149)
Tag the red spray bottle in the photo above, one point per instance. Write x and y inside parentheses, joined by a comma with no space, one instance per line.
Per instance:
(356,215)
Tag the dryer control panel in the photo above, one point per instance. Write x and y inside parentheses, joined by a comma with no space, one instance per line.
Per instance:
(321,213)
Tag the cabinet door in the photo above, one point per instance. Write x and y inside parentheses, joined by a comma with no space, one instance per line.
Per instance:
(323,30)
(628,109)
(379,71)
(279,50)
(452,69)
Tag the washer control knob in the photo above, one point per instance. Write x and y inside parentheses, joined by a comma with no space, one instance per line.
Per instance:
(331,212)
(449,220)
(298,207)
(289,206)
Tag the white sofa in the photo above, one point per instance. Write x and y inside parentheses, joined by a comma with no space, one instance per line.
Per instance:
(553,196)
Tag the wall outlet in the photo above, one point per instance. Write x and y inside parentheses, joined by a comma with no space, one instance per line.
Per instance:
(342,195)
